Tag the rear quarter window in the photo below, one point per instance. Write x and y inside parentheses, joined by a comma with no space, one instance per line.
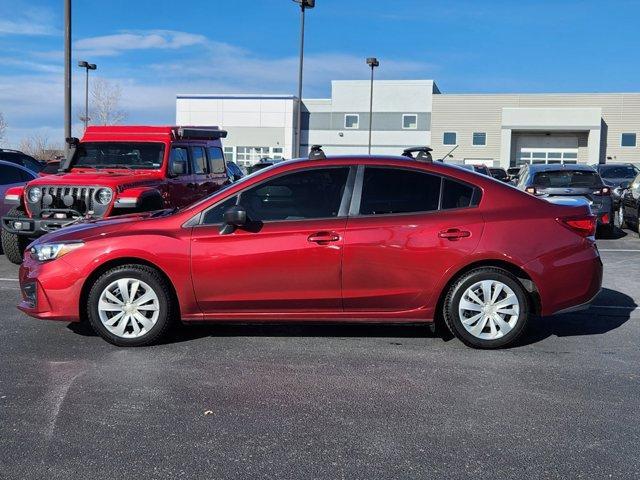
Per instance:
(458,195)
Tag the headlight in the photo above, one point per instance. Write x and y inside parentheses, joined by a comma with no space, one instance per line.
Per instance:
(51,251)
(35,194)
(104,196)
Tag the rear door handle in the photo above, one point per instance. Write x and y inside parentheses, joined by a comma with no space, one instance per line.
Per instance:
(322,238)
(454,234)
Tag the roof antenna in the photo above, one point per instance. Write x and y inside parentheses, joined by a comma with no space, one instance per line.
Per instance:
(316,153)
(423,153)
(449,153)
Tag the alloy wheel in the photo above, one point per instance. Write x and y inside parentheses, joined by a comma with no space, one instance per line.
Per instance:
(128,308)
(489,309)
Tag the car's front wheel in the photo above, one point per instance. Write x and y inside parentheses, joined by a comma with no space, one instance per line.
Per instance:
(14,245)
(487,308)
(131,306)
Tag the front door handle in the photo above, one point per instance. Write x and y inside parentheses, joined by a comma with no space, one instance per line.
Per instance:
(454,234)
(322,238)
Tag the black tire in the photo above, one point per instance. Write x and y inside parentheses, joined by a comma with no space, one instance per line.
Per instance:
(456,292)
(14,245)
(167,308)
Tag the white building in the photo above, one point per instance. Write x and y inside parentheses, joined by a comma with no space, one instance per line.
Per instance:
(494,129)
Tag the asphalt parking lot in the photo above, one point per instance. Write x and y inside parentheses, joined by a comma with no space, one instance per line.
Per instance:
(327,401)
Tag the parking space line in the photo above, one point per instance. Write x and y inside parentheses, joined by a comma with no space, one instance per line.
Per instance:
(9,280)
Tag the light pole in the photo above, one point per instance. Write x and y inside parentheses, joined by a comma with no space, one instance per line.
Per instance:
(88,66)
(67,73)
(304,4)
(373,63)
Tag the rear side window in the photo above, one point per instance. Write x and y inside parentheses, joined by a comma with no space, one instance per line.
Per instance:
(199,161)
(10,175)
(456,194)
(216,160)
(388,190)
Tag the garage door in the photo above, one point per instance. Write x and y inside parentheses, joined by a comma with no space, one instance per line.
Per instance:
(547,149)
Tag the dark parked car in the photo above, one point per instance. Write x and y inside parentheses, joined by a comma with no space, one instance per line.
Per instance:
(570,184)
(234,172)
(617,177)
(514,173)
(499,174)
(629,211)
(22,159)
(12,175)
(482,169)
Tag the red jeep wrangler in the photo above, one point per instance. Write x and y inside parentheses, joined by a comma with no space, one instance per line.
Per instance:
(116,170)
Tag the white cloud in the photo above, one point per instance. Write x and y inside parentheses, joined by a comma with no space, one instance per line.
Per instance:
(116,44)
(29,21)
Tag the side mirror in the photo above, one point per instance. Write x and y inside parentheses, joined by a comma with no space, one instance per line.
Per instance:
(233,218)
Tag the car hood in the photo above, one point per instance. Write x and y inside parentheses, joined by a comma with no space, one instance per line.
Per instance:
(616,182)
(108,178)
(88,229)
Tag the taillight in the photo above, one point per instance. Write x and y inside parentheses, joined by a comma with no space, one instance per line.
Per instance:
(531,190)
(584,226)
(603,191)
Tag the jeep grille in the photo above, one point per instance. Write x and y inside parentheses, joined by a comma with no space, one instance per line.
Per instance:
(79,199)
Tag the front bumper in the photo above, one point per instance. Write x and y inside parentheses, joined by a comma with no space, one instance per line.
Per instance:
(50,290)
(34,227)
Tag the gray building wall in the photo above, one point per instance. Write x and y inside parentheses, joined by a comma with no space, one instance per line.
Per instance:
(468,113)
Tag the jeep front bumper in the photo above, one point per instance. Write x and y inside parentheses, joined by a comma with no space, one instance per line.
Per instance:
(34,227)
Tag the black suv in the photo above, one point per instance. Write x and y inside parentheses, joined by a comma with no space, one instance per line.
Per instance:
(617,176)
(629,212)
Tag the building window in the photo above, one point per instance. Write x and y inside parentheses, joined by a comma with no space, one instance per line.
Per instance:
(352,121)
(479,138)
(628,140)
(276,152)
(449,138)
(409,121)
(249,155)
(228,154)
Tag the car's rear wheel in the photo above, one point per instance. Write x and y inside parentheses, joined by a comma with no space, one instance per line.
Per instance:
(487,308)
(131,306)
(14,245)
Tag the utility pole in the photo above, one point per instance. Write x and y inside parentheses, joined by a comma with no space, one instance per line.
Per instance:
(67,73)
(304,4)
(372,62)
(88,66)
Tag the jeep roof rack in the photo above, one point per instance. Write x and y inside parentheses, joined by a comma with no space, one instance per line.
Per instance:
(200,133)
(423,153)
(316,152)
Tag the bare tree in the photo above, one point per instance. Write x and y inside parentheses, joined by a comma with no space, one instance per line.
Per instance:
(38,146)
(3,127)
(105,103)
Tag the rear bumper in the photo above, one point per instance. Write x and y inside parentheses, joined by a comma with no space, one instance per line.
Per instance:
(567,280)
(50,290)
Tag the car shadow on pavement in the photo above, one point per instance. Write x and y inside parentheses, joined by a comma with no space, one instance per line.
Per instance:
(610,310)
(615,234)
(597,320)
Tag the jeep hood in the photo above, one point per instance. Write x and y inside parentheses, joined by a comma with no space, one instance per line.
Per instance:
(106,178)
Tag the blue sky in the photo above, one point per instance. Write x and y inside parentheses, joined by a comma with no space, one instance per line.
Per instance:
(155,49)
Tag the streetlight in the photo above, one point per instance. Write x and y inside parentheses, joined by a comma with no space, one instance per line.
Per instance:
(88,66)
(67,73)
(373,63)
(304,4)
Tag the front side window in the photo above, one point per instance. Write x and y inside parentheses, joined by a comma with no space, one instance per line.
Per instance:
(216,160)
(179,161)
(479,138)
(136,155)
(628,140)
(449,138)
(213,216)
(199,160)
(301,195)
(351,121)
(409,121)
(389,190)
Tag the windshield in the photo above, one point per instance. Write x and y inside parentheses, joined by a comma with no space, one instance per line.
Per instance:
(618,171)
(567,178)
(133,155)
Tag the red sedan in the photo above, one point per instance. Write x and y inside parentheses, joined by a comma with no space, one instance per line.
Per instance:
(367,239)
